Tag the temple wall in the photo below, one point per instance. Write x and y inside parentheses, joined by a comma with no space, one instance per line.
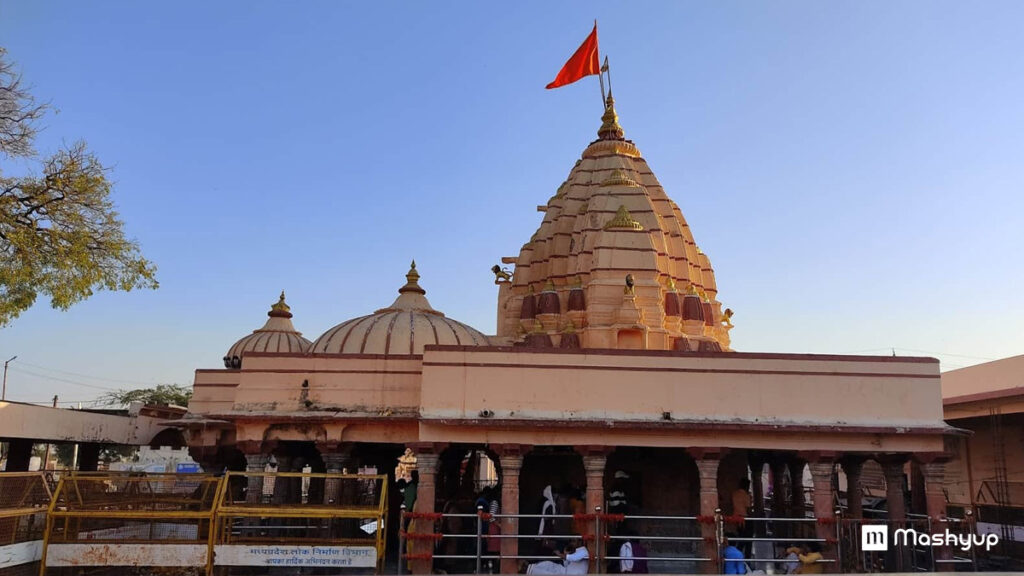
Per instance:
(460,383)
(974,460)
(275,382)
(989,377)
(213,391)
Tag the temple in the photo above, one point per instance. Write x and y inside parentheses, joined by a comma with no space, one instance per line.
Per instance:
(612,360)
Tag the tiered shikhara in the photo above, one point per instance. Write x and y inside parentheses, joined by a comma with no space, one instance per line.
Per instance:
(613,264)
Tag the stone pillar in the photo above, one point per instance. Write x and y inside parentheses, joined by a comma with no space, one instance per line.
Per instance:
(852,467)
(426,464)
(892,468)
(255,462)
(778,488)
(336,460)
(824,512)
(917,496)
(707,469)
(935,500)
(756,462)
(88,456)
(19,455)
(796,486)
(594,461)
(282,486)
(511,460)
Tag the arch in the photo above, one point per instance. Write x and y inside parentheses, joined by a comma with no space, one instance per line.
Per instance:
(172,437)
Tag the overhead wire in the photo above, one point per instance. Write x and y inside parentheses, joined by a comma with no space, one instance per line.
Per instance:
(79,374)
(64,380)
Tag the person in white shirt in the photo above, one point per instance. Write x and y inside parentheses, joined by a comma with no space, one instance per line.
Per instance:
(626,555)
(575,560)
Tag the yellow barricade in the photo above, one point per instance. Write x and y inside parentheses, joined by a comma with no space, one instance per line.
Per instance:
(195,524)
(100,520)
(24,499)
(309,521)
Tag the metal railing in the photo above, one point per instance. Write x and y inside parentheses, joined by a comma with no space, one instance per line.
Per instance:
(460,541)
(669,540)
(24,500)
(196,522)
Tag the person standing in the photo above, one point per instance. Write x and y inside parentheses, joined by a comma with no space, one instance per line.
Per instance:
(410,491)
(741,502)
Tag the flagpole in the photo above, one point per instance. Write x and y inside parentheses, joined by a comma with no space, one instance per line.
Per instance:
(609,71)
(600,77)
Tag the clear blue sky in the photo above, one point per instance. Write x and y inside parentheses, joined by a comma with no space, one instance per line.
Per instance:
(854,169)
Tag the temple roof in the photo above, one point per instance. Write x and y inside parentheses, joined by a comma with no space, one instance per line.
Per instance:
(278,334)
(403,328)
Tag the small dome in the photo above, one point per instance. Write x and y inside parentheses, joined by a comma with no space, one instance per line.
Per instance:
(277,335)
(402,329)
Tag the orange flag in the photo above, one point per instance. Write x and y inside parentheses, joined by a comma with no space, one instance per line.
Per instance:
(584,62)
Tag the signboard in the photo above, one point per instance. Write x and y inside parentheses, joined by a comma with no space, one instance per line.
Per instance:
(297,556)
(126,555)
(20,553)
(187,468)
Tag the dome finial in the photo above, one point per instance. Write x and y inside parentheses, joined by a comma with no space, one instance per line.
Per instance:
(610,129)
(280,309)
(412,283)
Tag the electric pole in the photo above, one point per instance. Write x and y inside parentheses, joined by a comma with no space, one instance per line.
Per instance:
(3,394)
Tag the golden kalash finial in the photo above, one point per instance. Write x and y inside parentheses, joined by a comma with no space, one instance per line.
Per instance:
(610,129)
(622,219)
(412,281)
(280,308)
(691,290)
(670,285)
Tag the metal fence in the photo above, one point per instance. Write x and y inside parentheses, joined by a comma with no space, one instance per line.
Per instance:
(24,500)
(464,543)
(127,519)
(316,522)
(469,543)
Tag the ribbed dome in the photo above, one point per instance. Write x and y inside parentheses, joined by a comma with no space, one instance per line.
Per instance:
(277,335)
(403,328)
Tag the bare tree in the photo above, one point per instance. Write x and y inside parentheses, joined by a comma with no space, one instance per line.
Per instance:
(18,112)
(59,233)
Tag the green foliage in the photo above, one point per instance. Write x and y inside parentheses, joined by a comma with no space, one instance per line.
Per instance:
(163,394)
(59,233)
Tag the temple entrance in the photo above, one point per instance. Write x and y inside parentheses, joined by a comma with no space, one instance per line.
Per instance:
(381,458)
(661,481)
(468,476)
(550,474)
(654,482)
